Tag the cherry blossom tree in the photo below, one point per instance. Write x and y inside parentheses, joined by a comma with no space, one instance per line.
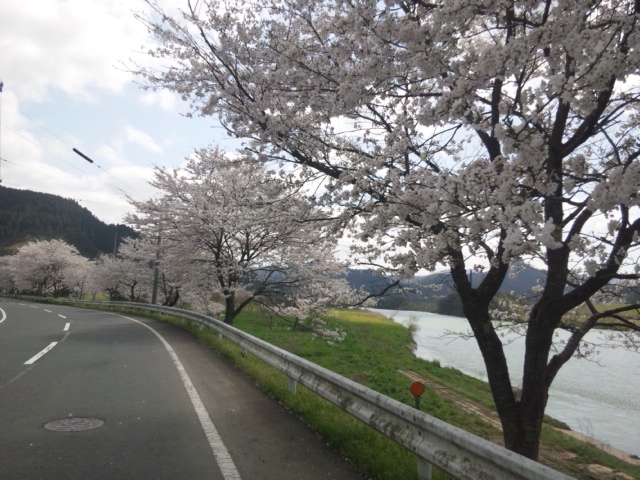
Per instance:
(241,232)
(460,133)
(106,278)
(7,276)
(48,266)
(78,279)
(124,275)
(168,273)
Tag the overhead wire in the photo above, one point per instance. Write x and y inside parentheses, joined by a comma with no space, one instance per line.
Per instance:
(72,198)
(80,200)
(43,127)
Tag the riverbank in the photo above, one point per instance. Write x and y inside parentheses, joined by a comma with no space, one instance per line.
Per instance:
(491,417)
(375,354)
(595,397)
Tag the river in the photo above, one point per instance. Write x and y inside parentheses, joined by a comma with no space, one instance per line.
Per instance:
(600,400)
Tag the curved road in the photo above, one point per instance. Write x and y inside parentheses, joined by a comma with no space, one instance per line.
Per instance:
(170,407)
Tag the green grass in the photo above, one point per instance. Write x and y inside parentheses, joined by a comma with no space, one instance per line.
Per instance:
(579,315)
(377,456)
(372,353)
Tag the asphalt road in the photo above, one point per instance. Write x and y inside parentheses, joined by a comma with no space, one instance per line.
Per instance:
(170,407)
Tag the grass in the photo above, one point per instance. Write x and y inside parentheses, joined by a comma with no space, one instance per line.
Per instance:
(578,316)
(372,354)
(374,351)
(377,456)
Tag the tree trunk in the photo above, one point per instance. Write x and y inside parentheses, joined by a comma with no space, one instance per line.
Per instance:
(535,383)
(521,419)
(230,307)
(172,298)
(507,405)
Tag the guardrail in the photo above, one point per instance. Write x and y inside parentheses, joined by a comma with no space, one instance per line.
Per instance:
(433,441)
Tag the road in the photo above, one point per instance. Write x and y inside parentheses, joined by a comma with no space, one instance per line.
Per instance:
(159,404)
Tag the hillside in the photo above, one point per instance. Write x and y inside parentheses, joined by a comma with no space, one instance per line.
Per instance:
(434,292)
(27,216)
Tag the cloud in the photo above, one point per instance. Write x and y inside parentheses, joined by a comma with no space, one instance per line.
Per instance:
(66,86)
(74,46)
(141,139)
(163,99)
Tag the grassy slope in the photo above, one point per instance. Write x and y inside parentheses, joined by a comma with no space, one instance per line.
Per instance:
(373,352)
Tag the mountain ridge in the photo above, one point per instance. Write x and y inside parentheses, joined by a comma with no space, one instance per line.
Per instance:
(27,216)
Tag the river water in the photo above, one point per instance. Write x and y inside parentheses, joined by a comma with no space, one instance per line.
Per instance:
(600,400)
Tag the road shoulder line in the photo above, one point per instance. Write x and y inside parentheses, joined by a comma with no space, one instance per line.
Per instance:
(220,452)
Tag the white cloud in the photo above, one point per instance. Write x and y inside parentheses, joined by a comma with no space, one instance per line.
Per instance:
(141,138)
(163,99)
(65,86)
(74,46)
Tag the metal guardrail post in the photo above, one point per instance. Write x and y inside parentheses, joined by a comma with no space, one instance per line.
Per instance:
(292,385)
(424,469)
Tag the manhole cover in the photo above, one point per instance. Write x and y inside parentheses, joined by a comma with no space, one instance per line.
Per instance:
(76,424)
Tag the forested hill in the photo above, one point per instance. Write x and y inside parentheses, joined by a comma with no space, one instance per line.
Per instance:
(26,216)
(419,292)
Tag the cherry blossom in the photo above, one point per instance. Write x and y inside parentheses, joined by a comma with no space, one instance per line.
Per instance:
(233,231)
(48,267)
(455,133)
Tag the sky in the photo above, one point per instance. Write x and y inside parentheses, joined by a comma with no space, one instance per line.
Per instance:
(63,64)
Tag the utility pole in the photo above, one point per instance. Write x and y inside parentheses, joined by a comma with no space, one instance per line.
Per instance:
(154,294)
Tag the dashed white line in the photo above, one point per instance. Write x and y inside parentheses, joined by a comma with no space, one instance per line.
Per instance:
(66,327)
(61,316)
(220,452)
(34,306)
(37,357)
(47,310)
(4,316)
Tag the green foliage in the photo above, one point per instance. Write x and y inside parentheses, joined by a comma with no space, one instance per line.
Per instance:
(373,353)
(450,305)
(27,216)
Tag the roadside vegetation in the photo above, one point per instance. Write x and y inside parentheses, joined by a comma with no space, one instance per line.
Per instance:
(373,353)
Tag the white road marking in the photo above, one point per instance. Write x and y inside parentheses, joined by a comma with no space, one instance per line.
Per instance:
(33,306)
(28,369)
(61,316)
(225,462)
(47,310)
(66,327)
(4,316)
(37,357)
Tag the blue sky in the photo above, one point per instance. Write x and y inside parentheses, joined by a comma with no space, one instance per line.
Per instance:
(65,87)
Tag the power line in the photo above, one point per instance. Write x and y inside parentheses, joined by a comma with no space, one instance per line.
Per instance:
(73,198)
(40,125)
